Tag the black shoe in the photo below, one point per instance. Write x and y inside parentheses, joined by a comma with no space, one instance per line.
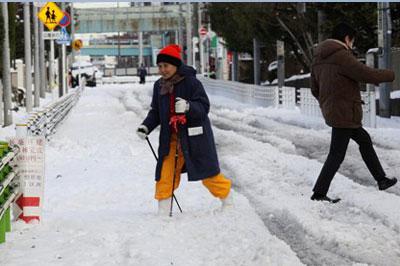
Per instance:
(320,197)
(386,183)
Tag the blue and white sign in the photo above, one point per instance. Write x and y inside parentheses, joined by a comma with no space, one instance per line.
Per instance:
(64,37)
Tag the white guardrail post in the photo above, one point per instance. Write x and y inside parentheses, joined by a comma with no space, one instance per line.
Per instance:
(30,167)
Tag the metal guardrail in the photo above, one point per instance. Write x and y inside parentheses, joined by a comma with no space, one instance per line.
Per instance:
(44,122)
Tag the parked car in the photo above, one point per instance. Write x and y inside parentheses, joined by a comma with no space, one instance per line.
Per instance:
(87,71)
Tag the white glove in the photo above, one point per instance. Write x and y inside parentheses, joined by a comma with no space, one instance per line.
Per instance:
(142,132)
(181,106)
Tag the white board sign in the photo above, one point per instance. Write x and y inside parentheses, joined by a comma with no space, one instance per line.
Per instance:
(51,35)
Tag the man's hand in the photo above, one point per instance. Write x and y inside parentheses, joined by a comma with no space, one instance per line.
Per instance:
(142,132)
(181,106)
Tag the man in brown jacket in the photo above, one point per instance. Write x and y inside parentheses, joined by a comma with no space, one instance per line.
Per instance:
(335,78)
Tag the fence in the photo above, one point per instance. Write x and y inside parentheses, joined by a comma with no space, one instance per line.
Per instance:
(285,97)
(44,122)
(8,187)
(261,95)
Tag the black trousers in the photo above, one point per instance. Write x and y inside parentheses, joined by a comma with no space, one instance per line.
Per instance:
(339,142)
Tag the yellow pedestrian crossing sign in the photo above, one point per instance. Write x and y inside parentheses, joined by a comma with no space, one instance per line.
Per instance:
(50,15)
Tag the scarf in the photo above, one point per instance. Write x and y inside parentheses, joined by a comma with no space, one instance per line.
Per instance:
(167,85)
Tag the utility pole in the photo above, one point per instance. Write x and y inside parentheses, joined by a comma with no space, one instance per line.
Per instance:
(113,42)
(8,120)
(189,34)
(51,67)
(28,56)
(42,66)
(140,48)
(235,66)
(195,50)
(196,26)
(180,24)
(280,51)
(370,61)
(61,65)
(119,41)
(201,39)
(36,102)
(72,31)
(256,61)
(384,45)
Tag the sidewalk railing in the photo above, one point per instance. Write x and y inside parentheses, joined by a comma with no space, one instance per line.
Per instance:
(44,122)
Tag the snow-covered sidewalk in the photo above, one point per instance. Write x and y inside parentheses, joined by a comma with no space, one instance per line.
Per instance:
(99,207)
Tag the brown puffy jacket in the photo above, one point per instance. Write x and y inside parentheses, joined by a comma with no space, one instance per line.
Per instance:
(335,79)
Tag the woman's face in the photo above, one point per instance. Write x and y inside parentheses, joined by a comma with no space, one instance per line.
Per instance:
(166,70)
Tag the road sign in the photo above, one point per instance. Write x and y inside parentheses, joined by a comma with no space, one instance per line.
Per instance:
(66,20)
(50,15)
(51,35)
(203,31)
(64,37)
(214,42)
(77,44)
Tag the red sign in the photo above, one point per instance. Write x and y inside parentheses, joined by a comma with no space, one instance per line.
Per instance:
(203,31)
(230,56)
(65,21)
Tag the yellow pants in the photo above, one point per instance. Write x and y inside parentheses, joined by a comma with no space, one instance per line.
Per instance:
(218,185)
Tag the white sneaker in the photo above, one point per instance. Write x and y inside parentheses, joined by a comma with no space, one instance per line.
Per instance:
(164,207)
(227,203)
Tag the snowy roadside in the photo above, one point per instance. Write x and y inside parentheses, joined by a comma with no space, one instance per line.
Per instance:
(274,157)
(99,206)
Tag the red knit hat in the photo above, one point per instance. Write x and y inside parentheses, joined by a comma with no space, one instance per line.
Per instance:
(170,54)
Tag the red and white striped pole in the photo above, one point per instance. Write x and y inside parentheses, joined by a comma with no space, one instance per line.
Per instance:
(30,167)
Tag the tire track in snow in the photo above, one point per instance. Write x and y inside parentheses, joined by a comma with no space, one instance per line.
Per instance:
(297,140)
(321,234)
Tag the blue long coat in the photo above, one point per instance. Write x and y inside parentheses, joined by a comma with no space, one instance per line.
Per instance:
(199,151)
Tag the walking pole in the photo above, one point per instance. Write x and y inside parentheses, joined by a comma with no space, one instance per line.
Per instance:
(151,147)
(155,156)
(173,179)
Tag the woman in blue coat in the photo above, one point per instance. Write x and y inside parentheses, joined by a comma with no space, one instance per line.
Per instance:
(180,106)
